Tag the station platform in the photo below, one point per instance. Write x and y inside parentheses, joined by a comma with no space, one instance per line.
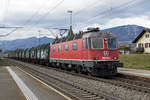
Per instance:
(135,72)
(8,88)
(18,85)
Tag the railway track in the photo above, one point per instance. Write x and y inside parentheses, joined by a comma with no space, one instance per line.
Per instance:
(74,90)
(124,82)
(144,86)
(120,81)
(142,81)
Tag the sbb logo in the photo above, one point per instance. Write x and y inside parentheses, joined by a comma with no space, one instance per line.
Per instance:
(106,53)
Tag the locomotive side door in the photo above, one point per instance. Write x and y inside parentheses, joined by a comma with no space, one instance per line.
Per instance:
(83,50)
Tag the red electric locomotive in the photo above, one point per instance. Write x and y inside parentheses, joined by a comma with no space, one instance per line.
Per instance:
(93,52)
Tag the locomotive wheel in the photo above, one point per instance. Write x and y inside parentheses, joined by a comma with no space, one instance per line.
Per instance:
(49,65)
(79,69)
(54,65)
(75,69)
(62,66)
(90,72)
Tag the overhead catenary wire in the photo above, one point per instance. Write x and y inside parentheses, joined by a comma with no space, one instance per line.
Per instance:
(16,28)
(123,6)
(7,2)
(36,13)
(28,20)
(85,8)
(104,13)
(9,33)
(5,26)
(50,10)
(62,31)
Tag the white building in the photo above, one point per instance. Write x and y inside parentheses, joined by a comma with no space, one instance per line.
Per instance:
(143,40)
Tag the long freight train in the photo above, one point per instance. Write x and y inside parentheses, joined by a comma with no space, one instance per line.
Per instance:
(91,52)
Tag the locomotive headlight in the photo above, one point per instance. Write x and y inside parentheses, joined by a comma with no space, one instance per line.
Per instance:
(115,58)
(95,58)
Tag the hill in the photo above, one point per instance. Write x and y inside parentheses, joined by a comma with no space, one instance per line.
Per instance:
(125,32)
(23,43)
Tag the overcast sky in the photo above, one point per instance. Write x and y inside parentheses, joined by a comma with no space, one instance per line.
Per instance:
(36,15)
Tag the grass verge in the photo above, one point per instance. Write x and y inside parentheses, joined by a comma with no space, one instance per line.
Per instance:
(137,61)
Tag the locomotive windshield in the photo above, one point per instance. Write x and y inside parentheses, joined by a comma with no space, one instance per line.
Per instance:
(97,43)
(112,43)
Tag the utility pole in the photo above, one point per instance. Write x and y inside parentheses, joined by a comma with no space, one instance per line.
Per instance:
(70,12)
(70,30)
(39,37)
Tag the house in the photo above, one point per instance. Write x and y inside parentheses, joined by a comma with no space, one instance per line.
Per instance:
(124,47)
(143,41)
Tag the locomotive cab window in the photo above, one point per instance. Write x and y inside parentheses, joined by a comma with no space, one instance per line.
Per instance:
(88,43)
(74,46)
(54,49)
(97,43)
(112,43)
(59,48)
(83,43)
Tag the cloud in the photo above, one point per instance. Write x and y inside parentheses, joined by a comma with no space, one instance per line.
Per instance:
(25,33)
(114,14)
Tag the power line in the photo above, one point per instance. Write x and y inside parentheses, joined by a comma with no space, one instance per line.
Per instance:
(124,5)
(6,27)
(36,13)
(103,13)
(49,11)
(30,18)
(9,33)
(89,6)
(6,11)
(62,31)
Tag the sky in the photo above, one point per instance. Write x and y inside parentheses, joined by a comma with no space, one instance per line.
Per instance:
(34,15)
